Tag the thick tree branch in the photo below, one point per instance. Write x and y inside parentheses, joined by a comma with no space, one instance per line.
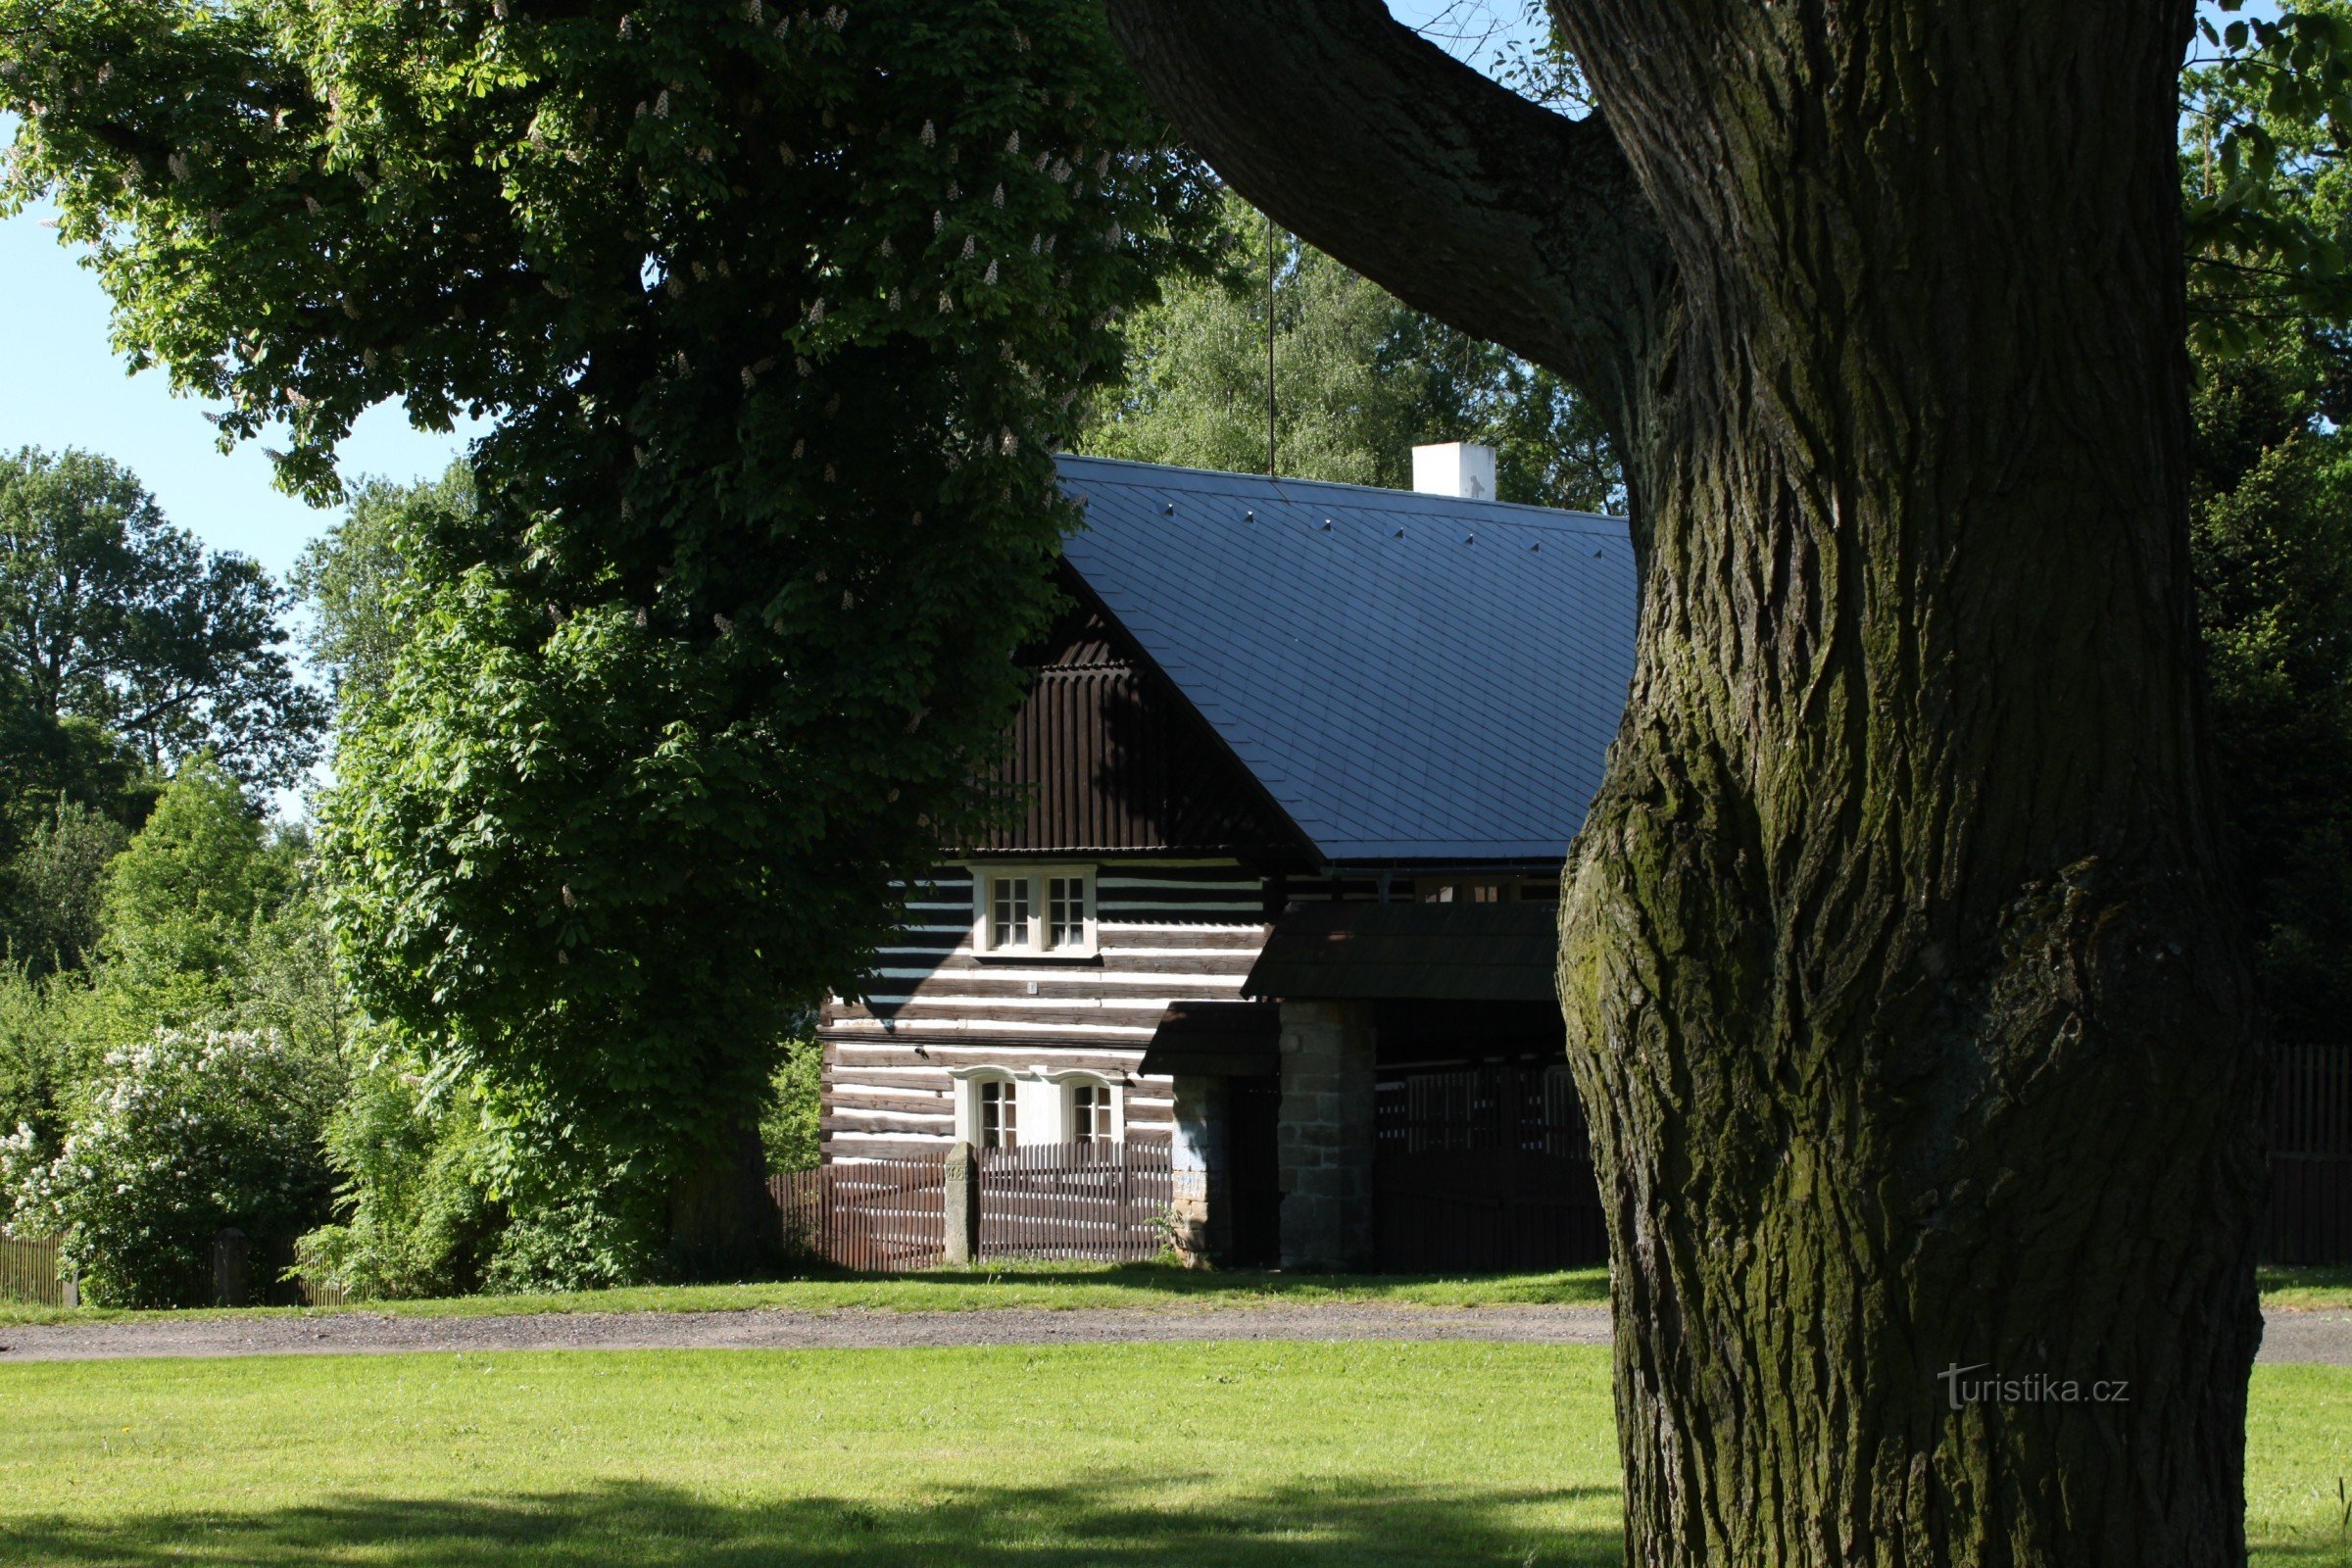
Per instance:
(1464,200)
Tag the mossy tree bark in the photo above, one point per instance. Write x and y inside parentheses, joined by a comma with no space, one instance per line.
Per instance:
(1902,986)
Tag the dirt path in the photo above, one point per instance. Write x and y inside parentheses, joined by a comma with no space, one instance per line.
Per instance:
(2323,1337)
(851,1328)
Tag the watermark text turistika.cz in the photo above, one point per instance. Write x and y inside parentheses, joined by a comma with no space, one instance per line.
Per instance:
(1964,1386)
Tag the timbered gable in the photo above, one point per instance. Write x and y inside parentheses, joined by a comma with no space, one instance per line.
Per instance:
(1107,755)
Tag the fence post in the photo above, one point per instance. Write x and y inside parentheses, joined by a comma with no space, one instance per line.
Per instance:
(232,1286)
(962,1240)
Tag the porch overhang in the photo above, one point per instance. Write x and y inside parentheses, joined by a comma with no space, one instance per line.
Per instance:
(1216,1040)
(1342,951)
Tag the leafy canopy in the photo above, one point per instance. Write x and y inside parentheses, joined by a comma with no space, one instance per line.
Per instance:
(112,616)
(781,313)
(2266,118)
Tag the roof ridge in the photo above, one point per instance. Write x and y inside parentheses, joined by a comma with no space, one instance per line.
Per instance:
(1518,512)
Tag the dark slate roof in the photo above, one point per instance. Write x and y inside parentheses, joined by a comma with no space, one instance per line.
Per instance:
(1436,952)
(1411,677)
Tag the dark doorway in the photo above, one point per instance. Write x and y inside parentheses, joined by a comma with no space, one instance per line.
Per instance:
(1252,1117)
(1482,1167)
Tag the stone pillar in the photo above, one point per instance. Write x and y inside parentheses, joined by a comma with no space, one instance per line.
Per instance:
(960,1246)
(1202,1226)
(1326,1136)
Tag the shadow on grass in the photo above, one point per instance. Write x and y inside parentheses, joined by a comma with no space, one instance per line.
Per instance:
(1114,1521)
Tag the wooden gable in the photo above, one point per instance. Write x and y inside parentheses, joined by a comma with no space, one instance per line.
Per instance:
(1107,755)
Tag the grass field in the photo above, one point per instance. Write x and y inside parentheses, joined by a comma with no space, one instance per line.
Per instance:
(1160,1456)
(1068,1286)
(2306,1288)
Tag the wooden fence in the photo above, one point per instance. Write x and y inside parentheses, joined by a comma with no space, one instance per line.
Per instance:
(2310,1217)
(869,1214)
(30,1271)
(1093,1203)
(1096,1204)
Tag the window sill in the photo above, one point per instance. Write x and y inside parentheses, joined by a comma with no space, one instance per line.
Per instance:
(1013,957)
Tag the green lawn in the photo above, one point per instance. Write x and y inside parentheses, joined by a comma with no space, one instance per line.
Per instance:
(1253,1455)
(1067,1286)
(2324,1286)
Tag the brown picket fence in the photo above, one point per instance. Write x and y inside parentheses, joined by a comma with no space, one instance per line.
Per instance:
(1085,1203)
(30,1271)
(2310,1215)
(1097,1204)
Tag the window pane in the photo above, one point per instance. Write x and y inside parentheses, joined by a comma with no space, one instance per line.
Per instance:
(1090,1114)
(1065,911)
(1008,924)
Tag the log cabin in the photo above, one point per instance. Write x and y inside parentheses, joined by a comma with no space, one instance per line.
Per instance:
(1298,769)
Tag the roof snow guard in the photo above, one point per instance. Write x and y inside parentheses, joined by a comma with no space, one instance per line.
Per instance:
(1413,677)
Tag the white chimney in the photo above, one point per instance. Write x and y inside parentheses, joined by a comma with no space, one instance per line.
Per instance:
(1454,469)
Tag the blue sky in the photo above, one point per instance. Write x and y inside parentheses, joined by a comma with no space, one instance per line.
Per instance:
(61,386)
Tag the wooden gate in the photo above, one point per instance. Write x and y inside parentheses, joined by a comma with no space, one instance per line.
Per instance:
(1104,1204)
(1091,1203)
(2310,1214)
(1484,1168)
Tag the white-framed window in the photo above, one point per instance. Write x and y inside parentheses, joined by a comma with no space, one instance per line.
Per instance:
(996,1113)
(1014,1107)
(1043,910)
(1091,1112)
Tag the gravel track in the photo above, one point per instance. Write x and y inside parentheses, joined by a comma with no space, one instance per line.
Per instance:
(2319,1336)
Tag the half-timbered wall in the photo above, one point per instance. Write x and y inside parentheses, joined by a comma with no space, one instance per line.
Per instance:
(1166,931)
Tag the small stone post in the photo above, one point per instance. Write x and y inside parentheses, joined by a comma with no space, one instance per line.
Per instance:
(962,1206)
(232,1286)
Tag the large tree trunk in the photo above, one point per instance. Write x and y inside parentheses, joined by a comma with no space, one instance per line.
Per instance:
(724,1225)
(1902,982)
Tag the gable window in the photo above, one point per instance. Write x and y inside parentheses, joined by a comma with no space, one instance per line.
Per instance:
(1065,911)
(1009,914)
(1047,910)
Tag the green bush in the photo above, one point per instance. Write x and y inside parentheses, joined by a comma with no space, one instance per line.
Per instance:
(788,1126)
(582,1241)
(40,1056)
(175,1140)
(417,1216)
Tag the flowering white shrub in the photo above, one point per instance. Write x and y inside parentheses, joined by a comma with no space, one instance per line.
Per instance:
(175,1140)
